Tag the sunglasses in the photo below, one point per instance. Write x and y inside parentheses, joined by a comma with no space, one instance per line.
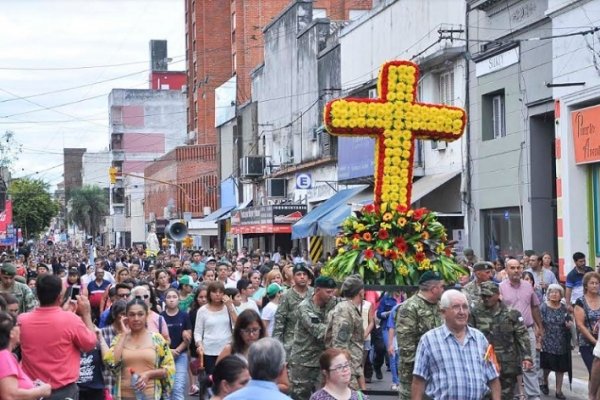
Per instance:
(144,297)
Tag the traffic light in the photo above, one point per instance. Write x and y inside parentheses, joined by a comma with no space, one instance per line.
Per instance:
(188,242)
(165,242)
(112,174)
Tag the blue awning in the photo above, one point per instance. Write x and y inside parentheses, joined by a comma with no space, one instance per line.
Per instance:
(213,216)
(329,225)
(309,224)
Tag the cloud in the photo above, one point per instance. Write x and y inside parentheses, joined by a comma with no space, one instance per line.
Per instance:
(71,33)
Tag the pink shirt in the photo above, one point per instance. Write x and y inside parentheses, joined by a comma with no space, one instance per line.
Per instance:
(51,337)
(521,297)
(10,367)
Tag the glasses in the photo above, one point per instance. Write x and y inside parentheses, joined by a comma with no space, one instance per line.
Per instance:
(252,331)
(340,368)
(144,297)
(460,307)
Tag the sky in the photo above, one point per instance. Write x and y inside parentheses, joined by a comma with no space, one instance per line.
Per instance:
(60,60)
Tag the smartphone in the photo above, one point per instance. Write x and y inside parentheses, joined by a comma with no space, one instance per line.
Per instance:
(75,291)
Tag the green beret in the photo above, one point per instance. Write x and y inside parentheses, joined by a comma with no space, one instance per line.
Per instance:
(325,282)
(489,288)
(352,286)
(482,266)
(8,269)
(429,276)
(301,267)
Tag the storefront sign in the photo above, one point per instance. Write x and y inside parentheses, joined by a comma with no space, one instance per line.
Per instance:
(266,219)
(585,124)
(497,62)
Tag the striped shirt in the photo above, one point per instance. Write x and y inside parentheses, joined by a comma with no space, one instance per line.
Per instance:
(452,370)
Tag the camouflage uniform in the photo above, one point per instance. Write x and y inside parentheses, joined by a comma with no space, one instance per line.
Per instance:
(504,329)
(414,318)
(471,289)
(286,317)
(23,294)
(308,344)
(345,331)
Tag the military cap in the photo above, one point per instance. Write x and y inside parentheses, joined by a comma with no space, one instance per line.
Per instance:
(325,282)
(429,276)
(301,267)
(482,266)
(8,269)
(489,288)
(352,286)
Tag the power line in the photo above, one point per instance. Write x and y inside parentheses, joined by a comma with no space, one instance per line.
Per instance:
(77,67)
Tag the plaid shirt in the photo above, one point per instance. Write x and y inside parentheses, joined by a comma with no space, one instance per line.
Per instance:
(452,370)
(108,333)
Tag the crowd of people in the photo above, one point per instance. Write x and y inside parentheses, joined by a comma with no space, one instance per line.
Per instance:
(249,325)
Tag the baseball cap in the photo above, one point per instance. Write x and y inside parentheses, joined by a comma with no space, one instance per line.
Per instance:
(273,289)
(187,280)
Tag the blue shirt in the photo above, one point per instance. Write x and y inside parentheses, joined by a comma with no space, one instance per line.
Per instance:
(386,304)
(452,370)
(263,390)
(199,268)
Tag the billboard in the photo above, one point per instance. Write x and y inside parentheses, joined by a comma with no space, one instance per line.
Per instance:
(355,157)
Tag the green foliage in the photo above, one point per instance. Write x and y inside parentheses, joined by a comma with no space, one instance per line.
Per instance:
(89,205)
(33,207)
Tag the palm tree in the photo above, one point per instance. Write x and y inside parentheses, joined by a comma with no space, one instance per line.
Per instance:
(89,205)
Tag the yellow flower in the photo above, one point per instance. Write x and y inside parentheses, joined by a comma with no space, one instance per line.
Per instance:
(426,263)
(401,222)
(359,228)
(418,227)
(418,247)
(341,250)
(388,216)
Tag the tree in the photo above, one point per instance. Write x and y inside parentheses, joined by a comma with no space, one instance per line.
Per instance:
(33,207)
(89,205)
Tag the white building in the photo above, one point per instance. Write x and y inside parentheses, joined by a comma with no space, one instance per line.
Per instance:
(576,90)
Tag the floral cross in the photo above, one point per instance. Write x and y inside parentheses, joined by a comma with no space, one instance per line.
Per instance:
(394,119)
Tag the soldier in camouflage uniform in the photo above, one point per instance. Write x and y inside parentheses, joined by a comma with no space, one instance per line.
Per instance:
(483,271)
(417,315)
(345,327)
(21,291)
(285,316)
(506,332)
(309,339)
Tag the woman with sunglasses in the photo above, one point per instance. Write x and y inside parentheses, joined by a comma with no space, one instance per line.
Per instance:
(248,329)
(156,323)
(142,352)
(337,373)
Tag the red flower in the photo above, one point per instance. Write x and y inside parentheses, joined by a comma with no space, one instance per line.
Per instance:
(383,234)
(369,208)
(401,209)
(356,236)
(367,236)
(448,251)
(420,256)
(391,254)
(369,254)
(419,212)
(401,245)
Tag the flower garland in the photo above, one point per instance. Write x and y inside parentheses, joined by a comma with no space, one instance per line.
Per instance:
(394,120)
(393,246)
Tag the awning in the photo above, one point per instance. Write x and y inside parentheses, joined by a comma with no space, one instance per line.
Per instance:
(227,215)
(308,225)
(429,183)
(201,227)
(329,225)
(214,216)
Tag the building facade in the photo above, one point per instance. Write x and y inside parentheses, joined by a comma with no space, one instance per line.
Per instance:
(511,187)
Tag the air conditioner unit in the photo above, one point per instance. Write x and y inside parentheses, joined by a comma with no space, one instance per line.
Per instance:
(276,187)
(191,137)
(252,166)
(183,88)
(438,145)
(373,93)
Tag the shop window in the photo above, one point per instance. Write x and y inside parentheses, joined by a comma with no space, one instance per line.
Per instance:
(596,204)
(493,121)
(502,233)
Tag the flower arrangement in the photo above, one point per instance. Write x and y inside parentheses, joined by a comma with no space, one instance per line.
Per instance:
(393,246)
(394,119)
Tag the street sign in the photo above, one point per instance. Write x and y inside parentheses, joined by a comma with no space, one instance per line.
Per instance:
(303,181)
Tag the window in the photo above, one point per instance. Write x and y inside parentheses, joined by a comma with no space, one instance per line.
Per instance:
(446,88)
(493,123)
(502,232)
(233,22)
(319,13)
(234,63)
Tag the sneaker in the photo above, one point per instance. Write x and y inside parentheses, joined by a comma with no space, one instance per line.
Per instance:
(394,387)
(379,374)
(194,390)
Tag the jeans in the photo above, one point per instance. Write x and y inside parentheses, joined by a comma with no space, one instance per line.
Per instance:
(393,359)
(181,377)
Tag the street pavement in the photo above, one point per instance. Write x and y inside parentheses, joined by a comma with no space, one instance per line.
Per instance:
(380,389)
